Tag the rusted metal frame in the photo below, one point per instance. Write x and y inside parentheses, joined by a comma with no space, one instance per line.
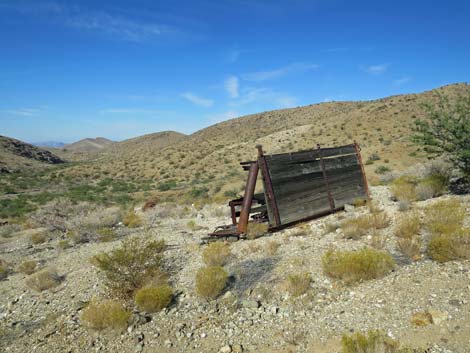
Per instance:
(271,198)
(306,219)
(232,212)
(325,177)
(364,179)
(248,198)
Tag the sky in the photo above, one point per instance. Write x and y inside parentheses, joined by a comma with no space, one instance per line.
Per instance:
(119,69)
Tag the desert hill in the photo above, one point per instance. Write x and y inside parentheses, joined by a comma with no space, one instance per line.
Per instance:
(17,155)
(210,157)
(88,145)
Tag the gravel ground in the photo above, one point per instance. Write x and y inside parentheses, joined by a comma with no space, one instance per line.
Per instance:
(254,314)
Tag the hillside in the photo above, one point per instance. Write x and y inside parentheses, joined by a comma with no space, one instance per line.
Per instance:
(16,155)
(88,145)
(210,157)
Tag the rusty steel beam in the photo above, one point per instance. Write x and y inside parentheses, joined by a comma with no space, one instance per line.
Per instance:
(248,198)
(271,198)
(232,212)
(325,177)
(364,179)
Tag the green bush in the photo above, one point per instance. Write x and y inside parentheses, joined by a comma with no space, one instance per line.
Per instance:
(132,265)
(210,281)
(153,299)
(105,314)
(359,265)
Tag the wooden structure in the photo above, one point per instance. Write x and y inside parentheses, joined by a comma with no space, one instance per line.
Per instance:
(298,186)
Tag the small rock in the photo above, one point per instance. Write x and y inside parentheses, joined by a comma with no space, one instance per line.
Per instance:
(349,208)
(251,304)
(438,316)
(225,349)
(237,348)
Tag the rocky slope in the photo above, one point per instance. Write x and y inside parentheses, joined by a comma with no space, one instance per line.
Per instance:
(254,314)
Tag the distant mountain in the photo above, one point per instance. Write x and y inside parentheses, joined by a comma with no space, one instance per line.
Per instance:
(54,144)
(18,155)
(88,145)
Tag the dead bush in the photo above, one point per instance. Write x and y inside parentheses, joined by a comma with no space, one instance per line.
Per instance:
(106,234)
(210,281)
(153,299)
(256,230)
(216,254)
(331,227)
(378,240)
(300,230)
(298,284)
(28,267)
(43,280)
(408,225)
(353,228)
(272,247)
(359,265)
(445,217)
(101,217)
(131,266)
(105,314)
(132,220)
(410,247)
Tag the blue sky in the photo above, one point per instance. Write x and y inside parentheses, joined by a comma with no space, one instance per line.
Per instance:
(118,69)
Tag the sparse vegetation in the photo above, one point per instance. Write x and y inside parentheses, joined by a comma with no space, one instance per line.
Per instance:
(360,265)
(450,246)
(153,299)
(216,254)
(210,281)
(105,314)
(298,284)
(373,341)
(255,230)
(444,217)
(272,247)
(38,238)
(131,266)
(28,267)
(132,220)
(355,227)
(408,225)
(3,269)
(42,280)
(404,189)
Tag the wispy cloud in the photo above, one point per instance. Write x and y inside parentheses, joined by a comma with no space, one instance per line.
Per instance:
(276,73)
(231,86)
(233,55)
(376,69)
(24,111)
(203,102)
(267,96)
(401,81)
(129,111)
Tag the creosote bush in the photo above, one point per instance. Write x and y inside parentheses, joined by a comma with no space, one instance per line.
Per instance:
(132,220)
(43,280)
(210,281)
(131,266)
(28,267)
(359,265)
(216,254)
(105,314)
(153,299)
(298,284)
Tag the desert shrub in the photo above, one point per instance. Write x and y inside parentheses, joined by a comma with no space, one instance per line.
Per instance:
(38,238)
(106,234)
(153,299)
(404,188)
(410,246)
(4,270)
(379,220)
(407,226)
(448,247)
(256,230)
(132,220)
(300,230)
(272,247)
(210,281)
(193,226)
(330,227)
(374,157)
(382,169)
(43,280)
(103,217)
(7,230)
(403,206)
(424,192)
(298,284)
(359,202)
(28,267)
(130,266)
(55,214)
(216,254)
(354,266)
(444,217)
(373,341)
(355,227)
(378,240)
(63,244)
(105,314)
